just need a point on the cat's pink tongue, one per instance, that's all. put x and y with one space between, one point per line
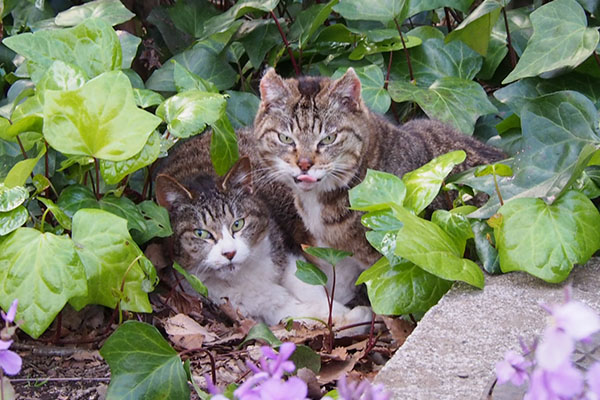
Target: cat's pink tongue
306 178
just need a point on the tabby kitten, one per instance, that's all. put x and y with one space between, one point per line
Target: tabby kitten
224 234
317 136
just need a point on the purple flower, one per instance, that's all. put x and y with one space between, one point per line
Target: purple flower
361 391
565 382
275 364
276 389
9 360
593 380
555 349
12 311
513 368
575 319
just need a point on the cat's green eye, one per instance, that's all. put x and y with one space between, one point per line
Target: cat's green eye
238 225
285 139
203 234
328 139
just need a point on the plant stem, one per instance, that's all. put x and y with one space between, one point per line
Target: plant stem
448 22
287 45
597 58
410 70
511 49
330 321
97 167
46 173
43 220
498 190
23 151
389 68
213 363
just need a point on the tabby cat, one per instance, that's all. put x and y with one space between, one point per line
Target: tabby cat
225 234
317 136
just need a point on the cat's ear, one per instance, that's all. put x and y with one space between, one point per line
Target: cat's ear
239 175
168 191
346 90
273 90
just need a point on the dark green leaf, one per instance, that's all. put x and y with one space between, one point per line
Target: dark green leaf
262 39
191 15
241 108
308 21
403 288
374 10
156 221
305 357
158 371
487 254
372 90
193 280
456 101
546 240
332 256
561 39
223 146
475 30
309 273
185 80
377 191
223 21
418 6
43 271
262 332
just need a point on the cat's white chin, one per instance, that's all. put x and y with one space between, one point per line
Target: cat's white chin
306 186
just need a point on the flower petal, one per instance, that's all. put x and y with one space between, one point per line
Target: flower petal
10 362
566 381
554 350
5 344
576 319
593 379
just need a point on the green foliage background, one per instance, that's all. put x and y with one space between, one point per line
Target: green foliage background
96 92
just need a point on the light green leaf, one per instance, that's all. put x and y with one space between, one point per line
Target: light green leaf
158 371
189 112
309 273
193 280
475 30
12 197
114 171
497 169
112 12
374 10
456 101
92 45
112 260
223 21
20 172
43 271
99 120
561 40
145 98
457 226
261 331
377 191
223 146
546 240
332 256
129 46
156 221
13 219
435 59
428 246
63 219
60 76
186 80
424 183
402 288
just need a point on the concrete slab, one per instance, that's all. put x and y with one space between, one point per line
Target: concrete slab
452 352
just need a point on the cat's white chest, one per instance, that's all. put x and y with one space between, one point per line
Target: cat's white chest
312 214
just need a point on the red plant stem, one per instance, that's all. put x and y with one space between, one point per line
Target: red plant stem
389 68
597 58
213 364
343 328
410 70
448 22
23 151
97 167
287 45
511 49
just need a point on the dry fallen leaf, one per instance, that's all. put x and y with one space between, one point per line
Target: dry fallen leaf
187 333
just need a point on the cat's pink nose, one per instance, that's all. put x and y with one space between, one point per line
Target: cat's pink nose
229 255
305 163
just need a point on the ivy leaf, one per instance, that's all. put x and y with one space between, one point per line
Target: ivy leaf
419 6
60 76
364 47
156 221
129 46
112 12
258 42
43 271
374 10
193 280
223 146
456 225
20 172
223 21
186 80
12 197
189 112
63 219
158 372
402 288
145 98
305 357
308 21
241 108
309 273
428 246
114 171
435 59
13 219
487 254
112 260
497 169
372 90
261 331
561 39
332 256
475 30
456 101
100 119
546 240
377 191
424 183
92 45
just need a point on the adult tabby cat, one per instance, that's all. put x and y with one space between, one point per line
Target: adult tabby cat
224 233
317 136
